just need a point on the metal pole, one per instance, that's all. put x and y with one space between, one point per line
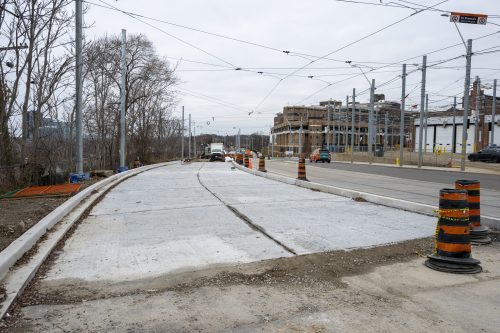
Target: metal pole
359 129
422 110
328 125
300 139
386 130
272 145
466 104
346 133
289 137
239 139
183 130
353 116
453 132
476 118
79 87
189 138
402 120
194 138
493 111
426 115
123 68
370 121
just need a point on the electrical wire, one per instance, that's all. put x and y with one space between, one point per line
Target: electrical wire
342 48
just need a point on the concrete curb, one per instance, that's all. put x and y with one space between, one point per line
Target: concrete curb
10 255
491 222
64 217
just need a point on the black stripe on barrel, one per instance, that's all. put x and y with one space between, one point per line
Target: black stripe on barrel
302 169
453 238
262 164
473 188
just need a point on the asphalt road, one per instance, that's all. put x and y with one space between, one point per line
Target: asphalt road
446 177
409 184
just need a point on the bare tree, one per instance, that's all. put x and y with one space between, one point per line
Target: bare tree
38 72
149 99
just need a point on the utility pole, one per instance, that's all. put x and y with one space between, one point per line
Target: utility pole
476 117
79 87
290 138
300 138
353 116
402 120
334 131
386 130
346 135
370 122
359 129
239 139
493 111
466 104
183 129
189 138
328 125
194 139
426 116
453 130
123 68
272 144
422 110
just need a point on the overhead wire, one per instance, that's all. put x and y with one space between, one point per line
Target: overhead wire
275 49
342 48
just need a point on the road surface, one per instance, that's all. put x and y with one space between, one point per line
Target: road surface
410 184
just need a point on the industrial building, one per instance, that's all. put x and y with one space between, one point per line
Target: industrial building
329 125
444 131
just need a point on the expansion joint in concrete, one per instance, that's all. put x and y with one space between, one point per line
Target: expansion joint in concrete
243 217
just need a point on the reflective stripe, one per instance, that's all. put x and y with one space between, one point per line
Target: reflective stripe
452 247
453 196
455 230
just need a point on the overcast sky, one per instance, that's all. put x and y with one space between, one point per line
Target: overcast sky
220 98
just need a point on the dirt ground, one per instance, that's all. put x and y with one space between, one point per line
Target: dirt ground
320 271
17 216
381 289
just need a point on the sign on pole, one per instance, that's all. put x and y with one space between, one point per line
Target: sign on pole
468 18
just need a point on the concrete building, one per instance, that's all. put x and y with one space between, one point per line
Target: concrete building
329 125
442 134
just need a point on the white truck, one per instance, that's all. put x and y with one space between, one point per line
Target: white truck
216 152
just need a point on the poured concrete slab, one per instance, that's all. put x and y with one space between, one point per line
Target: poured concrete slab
153 225
165 221
309 221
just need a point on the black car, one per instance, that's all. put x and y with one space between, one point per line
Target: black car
490 153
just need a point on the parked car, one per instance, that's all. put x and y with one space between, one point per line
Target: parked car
488 154
322 155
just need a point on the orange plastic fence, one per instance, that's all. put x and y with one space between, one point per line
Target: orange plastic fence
52 190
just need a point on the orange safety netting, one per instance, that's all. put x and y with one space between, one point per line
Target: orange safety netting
46 191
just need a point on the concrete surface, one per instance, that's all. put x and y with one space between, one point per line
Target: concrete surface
159 222
400 297
184 248
14 278
164 221
309 221
425 192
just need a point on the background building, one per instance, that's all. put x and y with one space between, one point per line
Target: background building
442 134
329 125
